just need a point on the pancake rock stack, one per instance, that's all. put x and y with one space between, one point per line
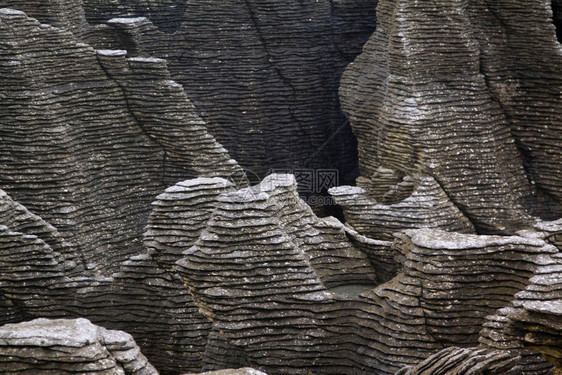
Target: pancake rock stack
534 317
43 346
423 98
78 137
89 139
119 205
256 287
466 361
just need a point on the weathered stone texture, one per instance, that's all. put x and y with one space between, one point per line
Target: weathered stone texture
78 138
257 289
267 84
453 361
424 205
424 97
45 346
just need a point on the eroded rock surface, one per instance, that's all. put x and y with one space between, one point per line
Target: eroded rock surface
458 91
80 139
267 83
456 107
447 284
44 346
454 361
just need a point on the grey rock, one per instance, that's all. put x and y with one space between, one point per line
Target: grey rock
240 371
441 89
267 83
466 361
44 346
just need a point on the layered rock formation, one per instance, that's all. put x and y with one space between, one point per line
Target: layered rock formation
421 204
466 361
256 288
167 15
426 97
44 346
267 84
89 138
458 119
83 141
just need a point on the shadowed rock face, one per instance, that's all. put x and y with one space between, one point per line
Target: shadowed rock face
73 346
267 83
458 91
166 14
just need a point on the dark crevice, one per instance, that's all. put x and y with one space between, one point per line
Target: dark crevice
557 18
284 79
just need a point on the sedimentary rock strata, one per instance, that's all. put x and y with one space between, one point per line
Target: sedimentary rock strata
422 97
166 14
448 284
267 84
118 204
268 214
45 346
520 60
88 141
424 205
534 319
79 138
466 361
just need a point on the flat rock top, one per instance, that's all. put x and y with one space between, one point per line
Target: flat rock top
240 371
47 332
438 239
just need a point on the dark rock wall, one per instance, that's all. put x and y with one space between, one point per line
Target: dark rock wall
166 14
557 18
267 83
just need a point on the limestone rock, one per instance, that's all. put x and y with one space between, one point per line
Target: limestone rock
536 317
492 336
89 139
265 298
240 371
423 98
267 84
468 361
270 214
425 206
141 298
179 215
79 138
44 346
166 14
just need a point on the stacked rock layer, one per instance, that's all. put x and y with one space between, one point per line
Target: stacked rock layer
44 346
426 96
458 119
267 83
